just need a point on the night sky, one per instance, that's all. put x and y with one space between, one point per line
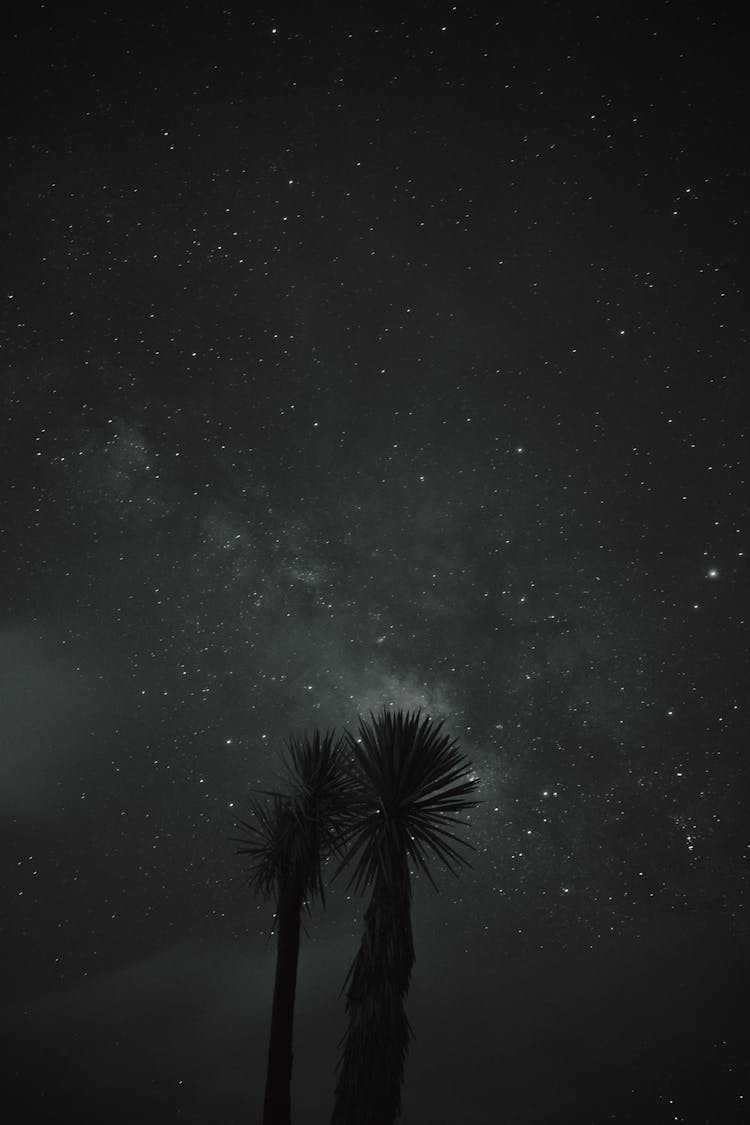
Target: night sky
355 358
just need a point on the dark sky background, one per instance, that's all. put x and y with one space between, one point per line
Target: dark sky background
353 359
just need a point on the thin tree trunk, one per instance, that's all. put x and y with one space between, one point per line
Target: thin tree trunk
277 1103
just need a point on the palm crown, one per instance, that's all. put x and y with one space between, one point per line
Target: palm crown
290 834
413 781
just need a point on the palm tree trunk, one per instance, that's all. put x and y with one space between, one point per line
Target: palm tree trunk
277 1103
376 1041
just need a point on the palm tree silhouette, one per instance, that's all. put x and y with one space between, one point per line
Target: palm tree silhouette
414 781
287 839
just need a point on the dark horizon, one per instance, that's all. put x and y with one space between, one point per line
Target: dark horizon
354 360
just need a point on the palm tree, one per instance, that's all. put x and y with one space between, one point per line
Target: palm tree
288 838
414 781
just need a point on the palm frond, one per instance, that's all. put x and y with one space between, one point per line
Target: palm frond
291 833
415 779
267 840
